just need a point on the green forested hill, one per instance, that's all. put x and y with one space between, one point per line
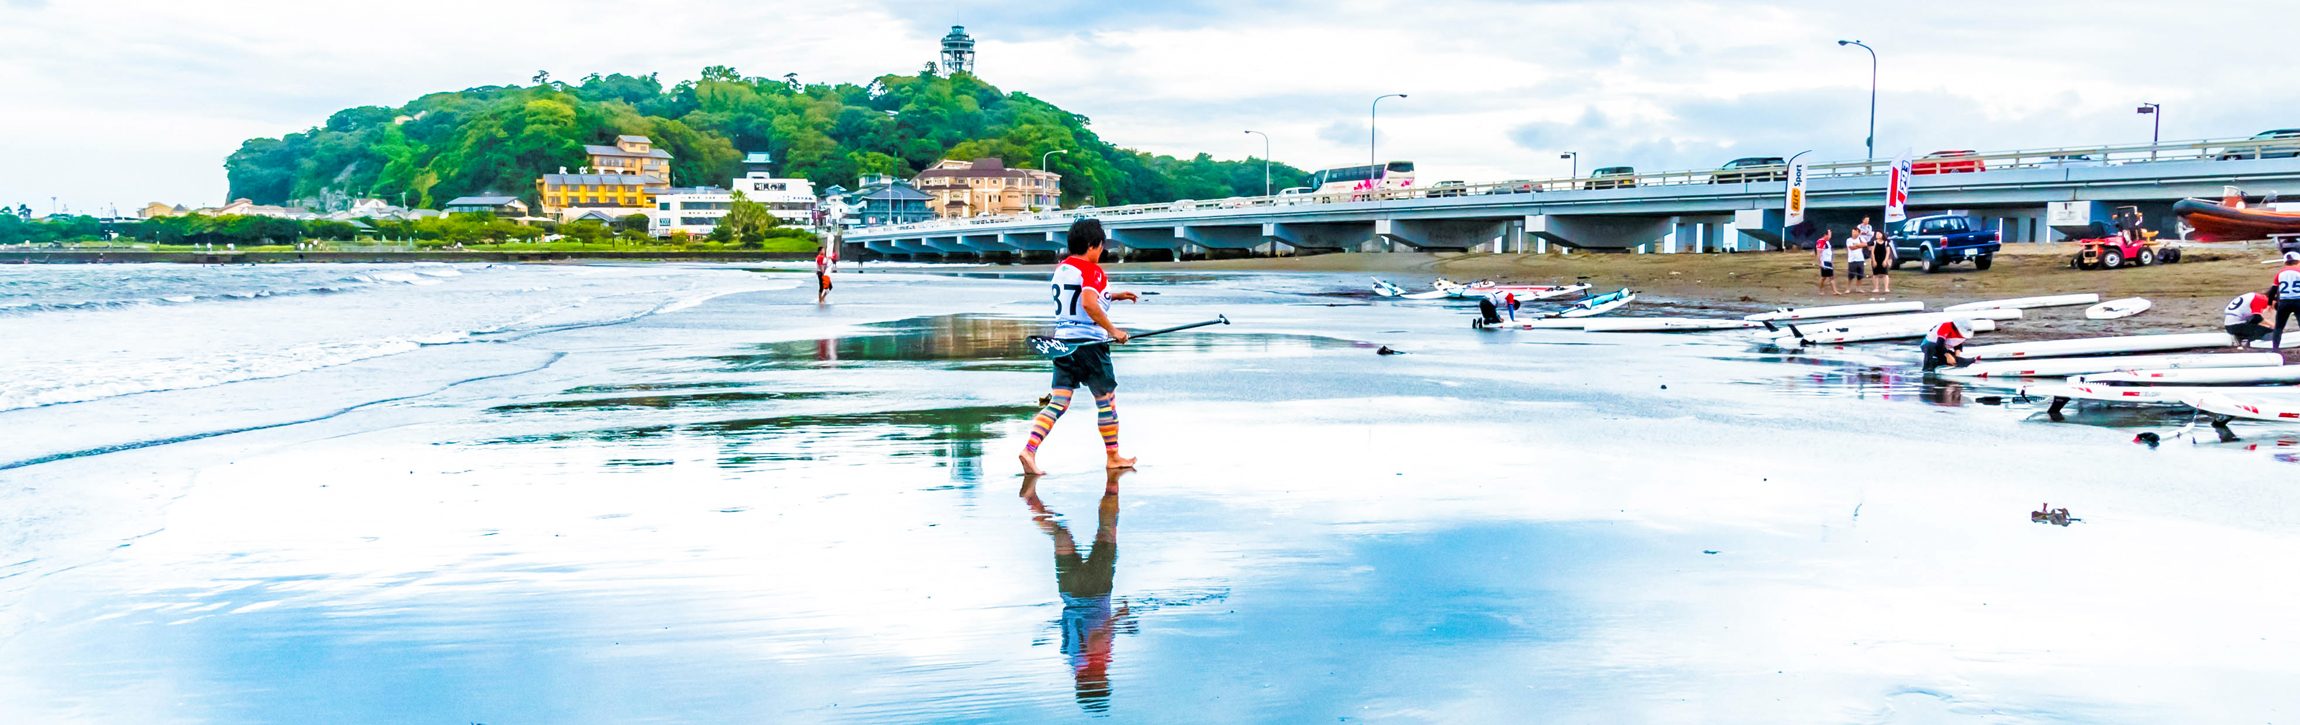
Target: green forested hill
498 138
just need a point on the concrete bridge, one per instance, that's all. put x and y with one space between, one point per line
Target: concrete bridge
2024 194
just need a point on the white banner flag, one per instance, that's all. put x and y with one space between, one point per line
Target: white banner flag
1795 211
1897 189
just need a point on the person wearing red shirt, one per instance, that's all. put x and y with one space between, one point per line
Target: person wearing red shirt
2246 317
1081 292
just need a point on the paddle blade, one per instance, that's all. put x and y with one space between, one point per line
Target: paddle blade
1048 347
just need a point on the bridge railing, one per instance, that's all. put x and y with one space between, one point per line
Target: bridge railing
1952 163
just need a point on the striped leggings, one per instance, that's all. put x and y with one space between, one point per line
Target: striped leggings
1105 417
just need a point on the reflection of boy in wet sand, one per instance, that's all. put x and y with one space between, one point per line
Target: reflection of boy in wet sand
1089 623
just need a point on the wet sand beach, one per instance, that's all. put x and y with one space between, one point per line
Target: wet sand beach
688 493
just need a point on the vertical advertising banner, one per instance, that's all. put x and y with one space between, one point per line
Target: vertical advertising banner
1897 190
1795 212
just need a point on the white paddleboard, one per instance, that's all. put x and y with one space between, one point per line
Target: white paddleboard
2025 302
1664 324
1547 323
2101 345
2113 393
1925 320
1386 289
2205 376
2064 366
1815 313
2114 309
1871 333
1556 293
1600 308
2247 407
2290 342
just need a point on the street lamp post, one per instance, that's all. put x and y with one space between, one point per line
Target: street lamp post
1576 156
1265 161
1872 94
1373 158
2155 113
1042 159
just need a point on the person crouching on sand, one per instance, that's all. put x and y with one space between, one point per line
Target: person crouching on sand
1945 344
2246 317
1080 296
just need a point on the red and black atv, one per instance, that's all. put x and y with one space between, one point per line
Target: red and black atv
2123 244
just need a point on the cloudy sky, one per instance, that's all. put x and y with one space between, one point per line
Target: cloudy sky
129 101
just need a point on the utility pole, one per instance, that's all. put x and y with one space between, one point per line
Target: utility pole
2155 113
1373 158
1265 162
1872 94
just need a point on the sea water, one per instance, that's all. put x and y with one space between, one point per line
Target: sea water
688 493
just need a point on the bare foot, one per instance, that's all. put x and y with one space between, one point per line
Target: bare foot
1030 464
1115 463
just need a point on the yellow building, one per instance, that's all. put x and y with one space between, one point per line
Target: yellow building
631 156
985 187
565 196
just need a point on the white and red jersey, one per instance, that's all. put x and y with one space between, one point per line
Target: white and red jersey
1951 333
2288 283
2241 309
1075 278
1821 249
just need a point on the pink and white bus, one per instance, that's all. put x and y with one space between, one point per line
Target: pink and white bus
1392 175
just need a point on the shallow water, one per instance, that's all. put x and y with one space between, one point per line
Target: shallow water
714 501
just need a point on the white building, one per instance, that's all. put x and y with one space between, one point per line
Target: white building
694 210
697 210
791 200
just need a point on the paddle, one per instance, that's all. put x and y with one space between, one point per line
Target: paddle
1048 347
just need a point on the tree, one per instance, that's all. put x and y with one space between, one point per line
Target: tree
747 221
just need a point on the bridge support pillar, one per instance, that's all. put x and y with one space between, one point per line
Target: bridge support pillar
1140 243
1593 231
1231 239
1762 225
1330 236
1445 234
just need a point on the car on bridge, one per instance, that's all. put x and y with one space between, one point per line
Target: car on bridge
1447 188
1939 240
2267 150
1949 162
1751 170
1612 177
1513 186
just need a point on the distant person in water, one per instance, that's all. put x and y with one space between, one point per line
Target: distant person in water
1090 622
1944 346
2246 317
822 275
1080 298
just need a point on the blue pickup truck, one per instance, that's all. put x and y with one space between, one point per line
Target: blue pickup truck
1942 239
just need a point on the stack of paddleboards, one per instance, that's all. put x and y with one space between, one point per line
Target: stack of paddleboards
1832 325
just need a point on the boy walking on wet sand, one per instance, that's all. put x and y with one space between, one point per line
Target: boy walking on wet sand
1080 297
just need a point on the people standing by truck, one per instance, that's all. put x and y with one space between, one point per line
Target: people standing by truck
1856 258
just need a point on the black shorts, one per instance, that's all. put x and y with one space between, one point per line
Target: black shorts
1828 271
1883 268
1087 365
2248 331
1853 270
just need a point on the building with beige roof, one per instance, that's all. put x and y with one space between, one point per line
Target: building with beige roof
985 187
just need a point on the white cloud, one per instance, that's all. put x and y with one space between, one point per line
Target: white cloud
134 100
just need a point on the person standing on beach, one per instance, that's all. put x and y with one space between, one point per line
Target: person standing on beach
1080 297
2287 292
822 275
1882 256
1828 263
1856 259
